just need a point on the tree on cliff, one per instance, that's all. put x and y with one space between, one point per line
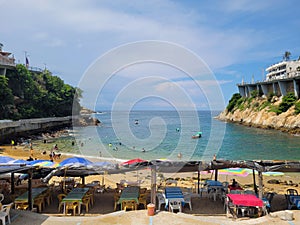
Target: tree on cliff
6 98
39 95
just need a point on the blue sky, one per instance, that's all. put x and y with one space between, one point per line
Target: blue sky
235 39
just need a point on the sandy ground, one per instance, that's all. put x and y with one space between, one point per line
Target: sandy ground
205 211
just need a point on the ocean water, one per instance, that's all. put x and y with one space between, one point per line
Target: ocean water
165 134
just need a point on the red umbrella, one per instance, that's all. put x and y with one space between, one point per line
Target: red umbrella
133 161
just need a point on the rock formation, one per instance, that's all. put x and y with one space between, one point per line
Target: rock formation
255 115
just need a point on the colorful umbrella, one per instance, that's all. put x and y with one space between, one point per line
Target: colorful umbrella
133 161
75 160
18 161
5 159
234 172
272 173
42 163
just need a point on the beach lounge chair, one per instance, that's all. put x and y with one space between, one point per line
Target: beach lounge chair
5 213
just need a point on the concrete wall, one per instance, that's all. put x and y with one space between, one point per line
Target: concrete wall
12 130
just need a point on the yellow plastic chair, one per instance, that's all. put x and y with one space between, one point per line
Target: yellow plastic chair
72 206
60 203
86 203
21 206
143 200
39 202
116 201
129 204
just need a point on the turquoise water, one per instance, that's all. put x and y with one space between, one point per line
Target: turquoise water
164 134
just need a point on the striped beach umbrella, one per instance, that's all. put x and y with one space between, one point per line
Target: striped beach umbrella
241 172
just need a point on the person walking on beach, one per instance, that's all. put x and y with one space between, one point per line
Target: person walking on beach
31 149
12 143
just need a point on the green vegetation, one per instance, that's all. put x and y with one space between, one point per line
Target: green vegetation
233 102
24 95
297 107
238 102
287 101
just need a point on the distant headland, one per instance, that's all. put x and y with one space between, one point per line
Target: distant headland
270 104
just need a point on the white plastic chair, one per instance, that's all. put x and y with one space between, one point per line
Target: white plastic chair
1 197
188 200
175 205
5 213
161 200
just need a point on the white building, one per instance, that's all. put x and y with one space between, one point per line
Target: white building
283 70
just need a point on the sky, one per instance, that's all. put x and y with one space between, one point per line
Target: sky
152 54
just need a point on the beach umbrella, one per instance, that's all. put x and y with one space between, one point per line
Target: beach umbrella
5 159
272 173
241 172
75 160
133 161
18 161
42 163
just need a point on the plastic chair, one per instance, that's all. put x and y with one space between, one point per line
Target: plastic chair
21 206
116 201
5 213
143 200
39 202
175 205
72 206
129 204
60 203
291 192
161 200
188 200
86 203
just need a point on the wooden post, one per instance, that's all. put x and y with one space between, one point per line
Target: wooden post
216 175
198 182
153 184
30 203
12 181
254 182
260 184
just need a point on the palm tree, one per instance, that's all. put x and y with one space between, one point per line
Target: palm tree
286 56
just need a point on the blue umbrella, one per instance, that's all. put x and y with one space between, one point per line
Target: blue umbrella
19 161
75 160
5 159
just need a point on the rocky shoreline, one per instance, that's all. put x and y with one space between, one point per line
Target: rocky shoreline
287 121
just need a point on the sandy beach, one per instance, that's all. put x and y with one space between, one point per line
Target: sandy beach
204 210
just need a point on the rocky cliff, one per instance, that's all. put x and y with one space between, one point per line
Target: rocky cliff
259 114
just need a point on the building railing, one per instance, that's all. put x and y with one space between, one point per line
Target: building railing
285 76
7 62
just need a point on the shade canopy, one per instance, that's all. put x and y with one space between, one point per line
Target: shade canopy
75 160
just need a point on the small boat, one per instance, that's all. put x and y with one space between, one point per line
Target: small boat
198 135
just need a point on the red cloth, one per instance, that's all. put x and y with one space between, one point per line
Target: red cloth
245 200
